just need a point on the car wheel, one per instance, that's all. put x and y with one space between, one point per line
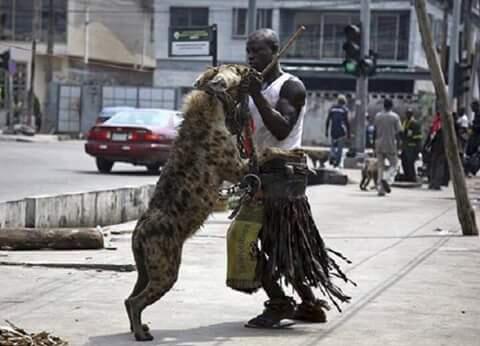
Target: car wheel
104 166
153 168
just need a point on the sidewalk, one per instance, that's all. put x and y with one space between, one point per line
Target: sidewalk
417 277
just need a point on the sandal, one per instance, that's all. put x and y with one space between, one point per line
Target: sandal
275 315
313 312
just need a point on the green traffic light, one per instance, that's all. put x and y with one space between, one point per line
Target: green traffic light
350 67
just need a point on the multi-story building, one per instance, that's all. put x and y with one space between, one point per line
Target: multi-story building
95 41
317 55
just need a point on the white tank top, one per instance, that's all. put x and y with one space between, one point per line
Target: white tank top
262 136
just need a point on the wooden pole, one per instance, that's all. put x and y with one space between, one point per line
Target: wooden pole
465 212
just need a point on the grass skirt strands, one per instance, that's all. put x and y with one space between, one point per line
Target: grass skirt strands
291 246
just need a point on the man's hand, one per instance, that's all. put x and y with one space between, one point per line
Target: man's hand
251 85
255 83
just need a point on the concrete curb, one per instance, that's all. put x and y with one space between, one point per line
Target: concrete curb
39 138
87 209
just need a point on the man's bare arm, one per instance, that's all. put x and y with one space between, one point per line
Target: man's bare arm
281 119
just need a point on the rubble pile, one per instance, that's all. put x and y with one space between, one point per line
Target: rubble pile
14 336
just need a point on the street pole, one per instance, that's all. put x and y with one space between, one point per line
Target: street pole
465 212
467 49
50 60
457 5
87 34
362 82
252 16
36 32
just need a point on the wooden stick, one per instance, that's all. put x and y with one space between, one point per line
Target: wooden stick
282 51
465 212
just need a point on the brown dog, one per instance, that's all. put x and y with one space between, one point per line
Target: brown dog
369 173
204 155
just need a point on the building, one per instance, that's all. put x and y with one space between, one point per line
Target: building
95 41
316 57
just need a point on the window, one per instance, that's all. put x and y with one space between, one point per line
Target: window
333 33
188 16
16 20
240 20
389 35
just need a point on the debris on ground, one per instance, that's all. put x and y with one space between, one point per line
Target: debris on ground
11 335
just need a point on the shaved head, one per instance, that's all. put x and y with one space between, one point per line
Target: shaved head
268 36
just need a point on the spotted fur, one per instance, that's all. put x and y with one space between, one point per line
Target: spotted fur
204 155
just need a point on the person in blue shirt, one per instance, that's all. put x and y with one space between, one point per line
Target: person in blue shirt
339 129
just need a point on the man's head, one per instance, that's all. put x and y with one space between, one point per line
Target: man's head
341 100
475 106
262 45
409 113
388 104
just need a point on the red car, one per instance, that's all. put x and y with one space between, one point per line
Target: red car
137 136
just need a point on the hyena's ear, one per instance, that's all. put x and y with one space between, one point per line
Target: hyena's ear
205 77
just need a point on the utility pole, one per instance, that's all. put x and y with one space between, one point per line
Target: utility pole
252 16
87 33
50 60
465 212
444 44
467 48
36 32
457 6
361 102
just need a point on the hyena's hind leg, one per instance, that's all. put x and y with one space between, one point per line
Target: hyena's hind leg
163 273
142 278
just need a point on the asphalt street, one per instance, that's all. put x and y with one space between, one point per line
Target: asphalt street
29 169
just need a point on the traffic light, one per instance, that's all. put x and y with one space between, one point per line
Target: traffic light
351 47
463 72
368 65
5 60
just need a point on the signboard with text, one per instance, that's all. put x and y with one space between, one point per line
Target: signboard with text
191 41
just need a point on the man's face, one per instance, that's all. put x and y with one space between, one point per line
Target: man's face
475 107
259 54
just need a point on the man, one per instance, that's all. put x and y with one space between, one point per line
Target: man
411 142
472 155
339 130
387 129
277 106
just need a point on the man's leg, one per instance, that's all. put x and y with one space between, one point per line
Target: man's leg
333 152
392 170
410 158
311 309
278 307
380 170
340 146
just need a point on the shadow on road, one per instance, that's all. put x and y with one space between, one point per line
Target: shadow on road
217 333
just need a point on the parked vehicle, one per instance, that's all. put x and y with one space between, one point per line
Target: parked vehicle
108 112
138 136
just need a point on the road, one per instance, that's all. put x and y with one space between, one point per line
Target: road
28 169
417 282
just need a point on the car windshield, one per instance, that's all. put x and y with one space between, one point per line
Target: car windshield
145 117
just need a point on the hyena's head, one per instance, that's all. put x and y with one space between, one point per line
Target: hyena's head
224 79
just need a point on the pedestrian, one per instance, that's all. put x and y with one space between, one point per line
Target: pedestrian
339 128
411 142
474 140
387 132
437 168
277 106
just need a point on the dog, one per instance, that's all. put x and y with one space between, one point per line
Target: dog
369 173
